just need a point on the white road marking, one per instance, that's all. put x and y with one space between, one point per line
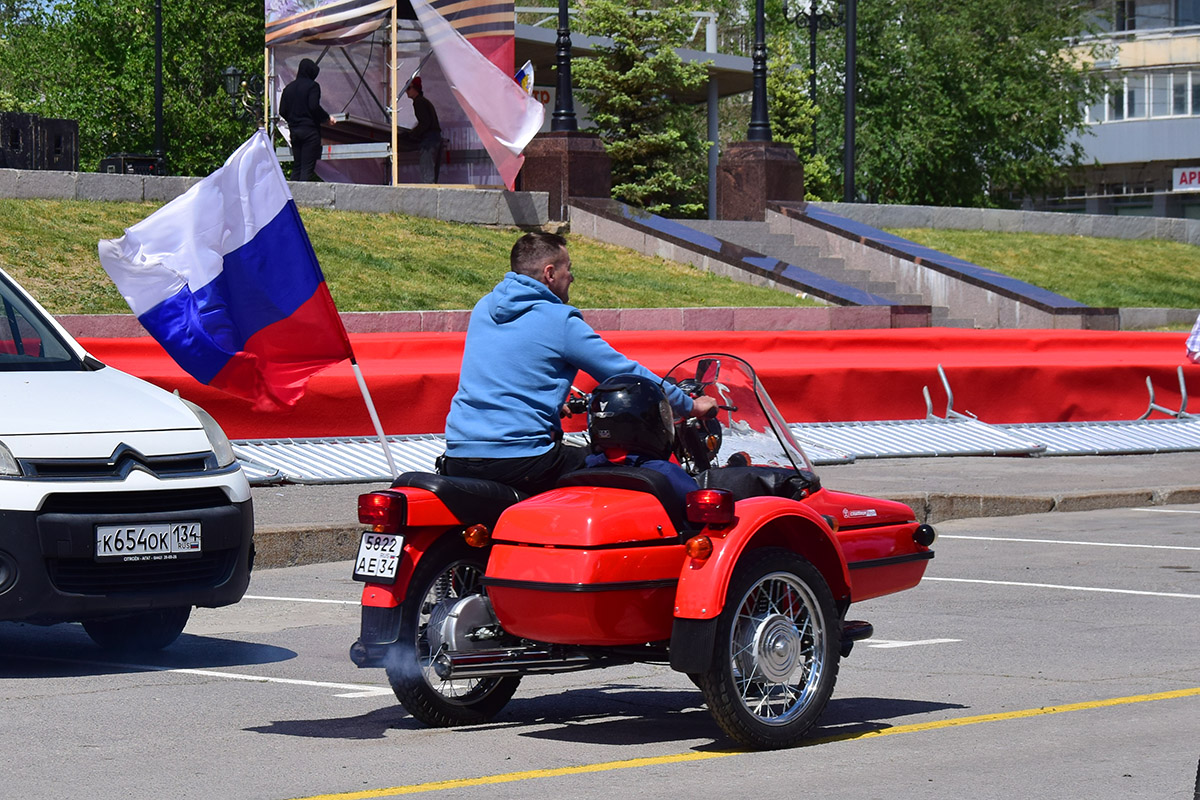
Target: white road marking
355 689
1168 510
300 599
1062 541
1069 588
881 643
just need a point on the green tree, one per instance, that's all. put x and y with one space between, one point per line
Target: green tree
656 141
793 113
964 103
65 60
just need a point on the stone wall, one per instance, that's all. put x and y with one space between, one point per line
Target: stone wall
449 203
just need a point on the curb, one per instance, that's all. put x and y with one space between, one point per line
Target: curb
294 546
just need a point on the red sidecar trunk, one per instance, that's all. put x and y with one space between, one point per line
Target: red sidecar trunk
557 575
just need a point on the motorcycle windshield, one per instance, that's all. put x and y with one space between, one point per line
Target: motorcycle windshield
750 423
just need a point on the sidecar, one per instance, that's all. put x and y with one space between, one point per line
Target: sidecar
745 587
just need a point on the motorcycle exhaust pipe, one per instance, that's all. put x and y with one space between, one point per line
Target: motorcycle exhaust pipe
510 661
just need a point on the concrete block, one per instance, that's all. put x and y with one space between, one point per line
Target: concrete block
651 319
116 188
1170 229
764 319
46 185
415 201
475 206
956 218
288 547
1092 501
1184 495
8 182
582 222
165 189
1056 224
1113 227
445 321
620 235
108 326
966 506
524 209
382 321
603 319
357 197
709 319
313 194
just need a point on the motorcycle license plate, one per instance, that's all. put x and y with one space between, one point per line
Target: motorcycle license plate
378 557
155 541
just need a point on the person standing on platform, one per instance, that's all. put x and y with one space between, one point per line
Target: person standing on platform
425 136
300 106
1193 343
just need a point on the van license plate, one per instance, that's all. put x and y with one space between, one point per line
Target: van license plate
378 557
154 541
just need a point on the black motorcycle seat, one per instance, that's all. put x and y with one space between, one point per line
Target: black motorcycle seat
471 500
758 481
636 479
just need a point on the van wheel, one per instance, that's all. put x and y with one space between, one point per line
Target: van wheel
776 661
144 631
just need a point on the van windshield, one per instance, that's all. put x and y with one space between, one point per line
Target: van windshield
27 341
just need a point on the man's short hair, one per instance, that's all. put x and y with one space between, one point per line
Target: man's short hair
535 250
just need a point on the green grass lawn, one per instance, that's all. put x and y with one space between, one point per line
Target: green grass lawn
387 262
1120 273
372 262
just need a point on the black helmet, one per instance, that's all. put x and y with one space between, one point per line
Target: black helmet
631 413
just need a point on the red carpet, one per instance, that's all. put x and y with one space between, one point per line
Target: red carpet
1001 376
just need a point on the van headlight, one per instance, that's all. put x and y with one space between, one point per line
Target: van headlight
9 467
216 437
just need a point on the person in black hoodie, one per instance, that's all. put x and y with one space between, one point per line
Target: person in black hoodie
300 106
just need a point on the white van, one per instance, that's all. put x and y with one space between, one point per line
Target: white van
122 506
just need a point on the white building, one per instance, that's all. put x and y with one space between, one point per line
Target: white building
1145 141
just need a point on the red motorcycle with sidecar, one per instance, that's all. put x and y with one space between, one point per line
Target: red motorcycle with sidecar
470 585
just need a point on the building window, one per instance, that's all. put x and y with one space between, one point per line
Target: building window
1180 94
1187 12
1116 101
1160 94
1135 95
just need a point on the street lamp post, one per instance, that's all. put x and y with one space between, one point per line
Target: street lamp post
760 126
848 192
160 149
563 118
817 15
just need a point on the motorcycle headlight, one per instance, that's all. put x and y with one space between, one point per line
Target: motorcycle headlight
216 437
8 465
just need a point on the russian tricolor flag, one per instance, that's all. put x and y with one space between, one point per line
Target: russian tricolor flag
225 279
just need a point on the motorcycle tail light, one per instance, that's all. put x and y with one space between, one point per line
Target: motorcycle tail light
383 511
710 507
698 547
477 536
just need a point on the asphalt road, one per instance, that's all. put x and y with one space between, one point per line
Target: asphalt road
1045 656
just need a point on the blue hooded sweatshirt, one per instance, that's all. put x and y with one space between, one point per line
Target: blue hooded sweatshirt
524 348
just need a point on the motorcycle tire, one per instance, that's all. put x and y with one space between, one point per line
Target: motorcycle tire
777 651
449 571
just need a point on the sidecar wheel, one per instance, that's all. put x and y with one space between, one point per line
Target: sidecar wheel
777 655
449 571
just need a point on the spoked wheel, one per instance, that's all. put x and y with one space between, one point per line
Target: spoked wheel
777 651
450 571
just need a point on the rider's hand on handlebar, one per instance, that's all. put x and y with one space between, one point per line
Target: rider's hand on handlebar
703 407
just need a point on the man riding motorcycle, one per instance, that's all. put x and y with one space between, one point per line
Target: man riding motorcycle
525 345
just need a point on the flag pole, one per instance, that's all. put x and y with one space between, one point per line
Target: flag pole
362 385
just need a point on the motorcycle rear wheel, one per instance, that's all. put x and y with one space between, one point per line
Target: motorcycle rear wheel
777 651
450 571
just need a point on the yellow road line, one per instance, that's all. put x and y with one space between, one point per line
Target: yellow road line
680 758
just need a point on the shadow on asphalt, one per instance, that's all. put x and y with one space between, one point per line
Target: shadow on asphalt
65 650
